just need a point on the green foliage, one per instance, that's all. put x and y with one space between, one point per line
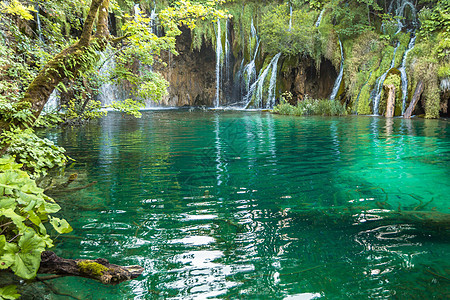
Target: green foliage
436 18
392 79
351 17
79 112
444 71
48 120
128 106
187 13
428 62
309 107
9 292
24 208
303 38
37 155
16 8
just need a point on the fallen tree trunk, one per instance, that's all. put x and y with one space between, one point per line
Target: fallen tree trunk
414 100
99 269
390 107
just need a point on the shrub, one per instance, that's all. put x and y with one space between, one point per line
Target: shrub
309 107
24 209
37 155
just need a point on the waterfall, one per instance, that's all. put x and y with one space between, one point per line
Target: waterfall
273 82
290 18
137 10
399 12
337 83
52 104
152 24
258 85
376 93
404 77
445 84
38 23
108 92
218 64
319 19
247 74
227 50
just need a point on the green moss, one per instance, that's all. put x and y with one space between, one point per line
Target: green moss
364 101
92 268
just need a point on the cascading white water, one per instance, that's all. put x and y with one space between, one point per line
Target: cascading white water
38 23
247 74
397 8
152 24
319 19
218 64
52 104
109 90
404 77
376 93
445 84
337 83
256 91
137 10
227 51
273 82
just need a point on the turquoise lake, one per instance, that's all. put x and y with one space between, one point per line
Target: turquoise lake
250 205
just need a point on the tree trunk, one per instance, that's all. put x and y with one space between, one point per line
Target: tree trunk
390 107
70 61
99 269
414 100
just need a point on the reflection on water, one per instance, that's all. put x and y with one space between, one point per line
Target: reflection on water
252 205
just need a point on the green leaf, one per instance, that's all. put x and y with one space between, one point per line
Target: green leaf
61 226
50 207
17 220
9 255
7 203
9 292
28 259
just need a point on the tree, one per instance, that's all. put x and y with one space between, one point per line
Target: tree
95 37
24 206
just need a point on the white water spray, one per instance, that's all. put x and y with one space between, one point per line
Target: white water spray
256 91
337 83
404 77
218 64
376 93
319 19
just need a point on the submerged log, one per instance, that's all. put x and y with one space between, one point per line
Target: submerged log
390 107
414 100
99 269
369 216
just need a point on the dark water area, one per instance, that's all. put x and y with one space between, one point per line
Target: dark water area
231 205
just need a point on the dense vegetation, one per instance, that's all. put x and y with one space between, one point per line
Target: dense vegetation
62 45
370 31
51 45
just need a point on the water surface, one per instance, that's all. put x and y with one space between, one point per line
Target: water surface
257 206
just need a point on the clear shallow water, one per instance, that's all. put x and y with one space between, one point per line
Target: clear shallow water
257 206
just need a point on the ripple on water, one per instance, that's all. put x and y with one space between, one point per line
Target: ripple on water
252 205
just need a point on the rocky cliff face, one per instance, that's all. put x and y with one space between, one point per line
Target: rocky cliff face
301 77
191 74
